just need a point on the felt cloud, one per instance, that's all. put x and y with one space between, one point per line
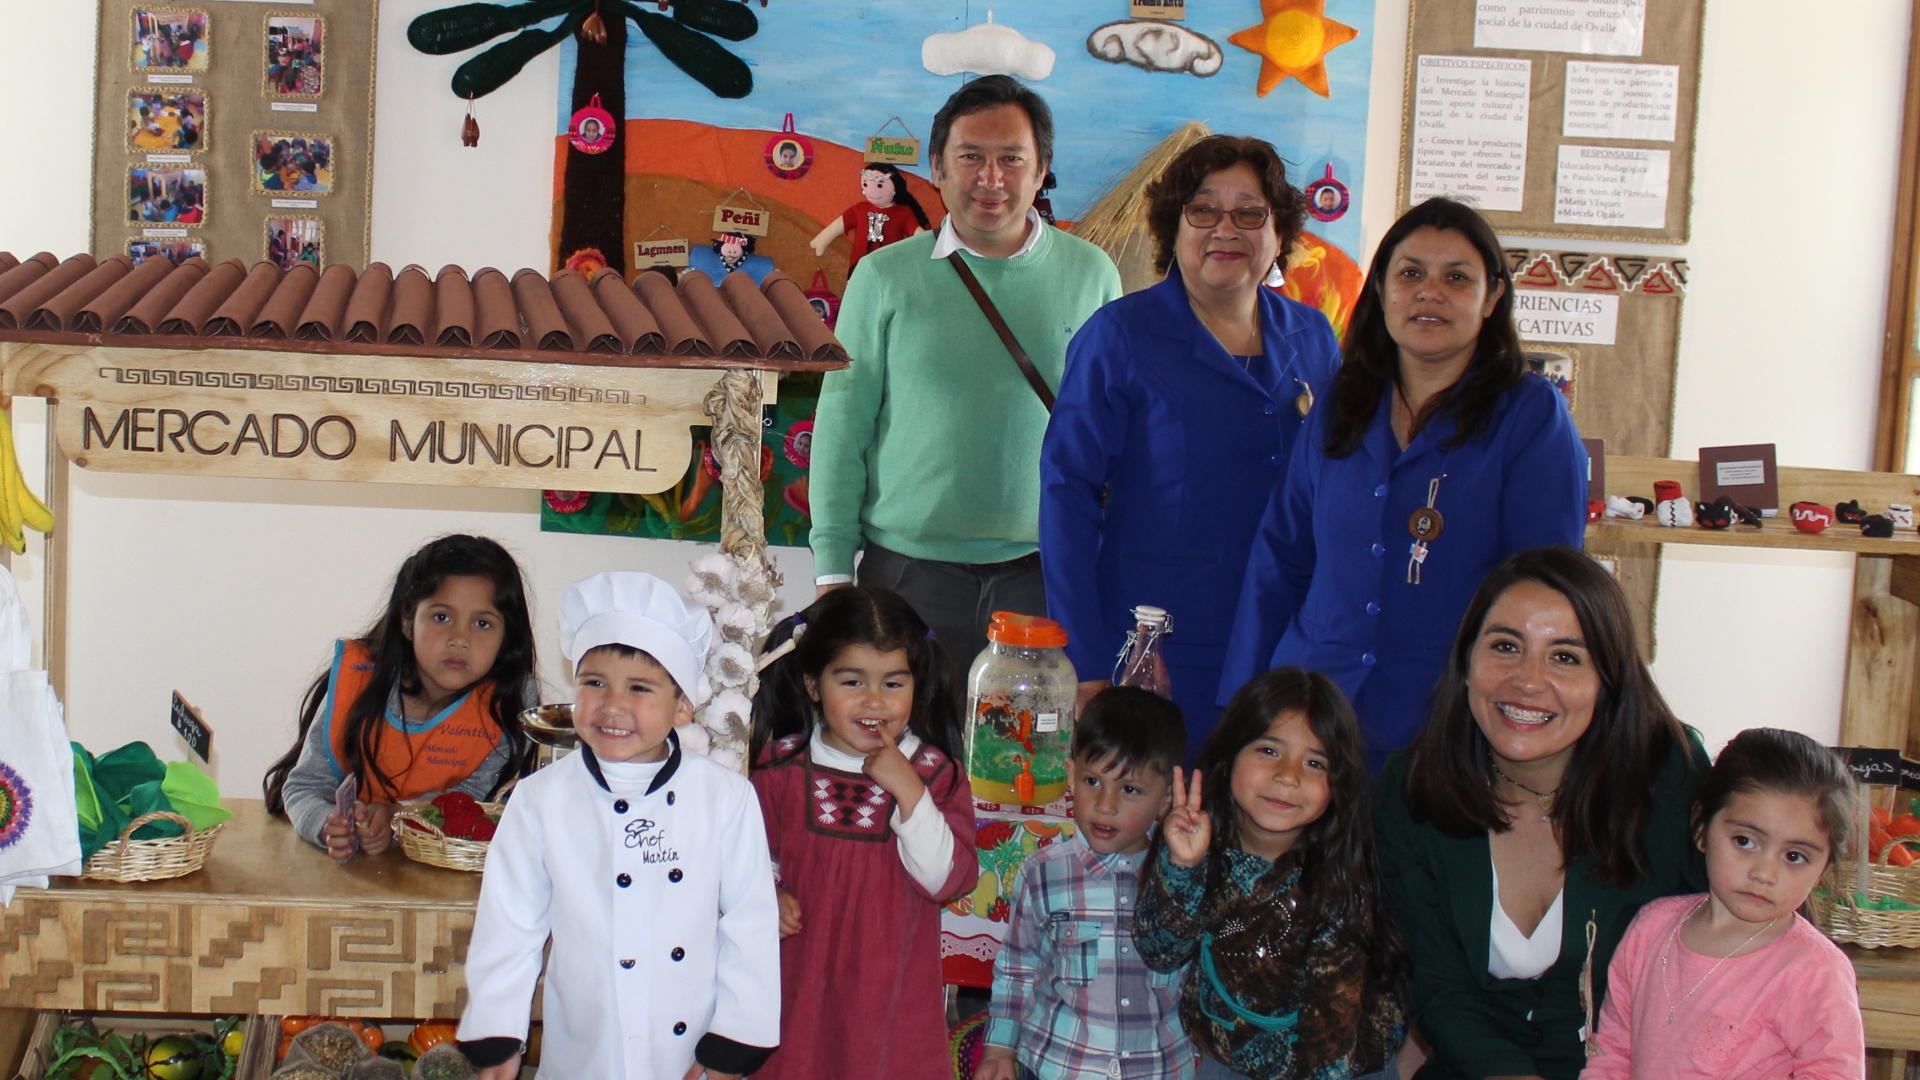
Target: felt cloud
1156 46
987 49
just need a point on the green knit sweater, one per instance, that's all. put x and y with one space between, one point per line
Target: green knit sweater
929 444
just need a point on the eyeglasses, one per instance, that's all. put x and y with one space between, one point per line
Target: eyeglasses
1202 216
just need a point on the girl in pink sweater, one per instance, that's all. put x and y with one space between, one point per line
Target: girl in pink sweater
1736 982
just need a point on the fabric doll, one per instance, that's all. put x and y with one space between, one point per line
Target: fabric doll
889 213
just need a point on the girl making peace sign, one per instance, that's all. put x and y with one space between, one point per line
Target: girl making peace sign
1264 874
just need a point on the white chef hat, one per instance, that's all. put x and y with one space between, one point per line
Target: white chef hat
638 610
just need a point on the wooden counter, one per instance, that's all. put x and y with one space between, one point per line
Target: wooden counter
270 925
1889 981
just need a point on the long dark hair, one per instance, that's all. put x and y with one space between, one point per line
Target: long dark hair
394 665
855 615
1770 759
900 193
1605 795
1370 360
1339 872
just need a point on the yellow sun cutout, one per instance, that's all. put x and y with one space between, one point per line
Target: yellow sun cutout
1293 38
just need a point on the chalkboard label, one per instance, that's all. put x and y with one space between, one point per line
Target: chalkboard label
192 727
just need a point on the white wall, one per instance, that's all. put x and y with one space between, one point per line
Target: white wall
231 590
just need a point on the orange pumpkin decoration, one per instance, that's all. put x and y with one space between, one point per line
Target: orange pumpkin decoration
431 1033
294 1025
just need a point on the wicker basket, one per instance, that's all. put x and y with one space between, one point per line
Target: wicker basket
423 841
1843 920
153 860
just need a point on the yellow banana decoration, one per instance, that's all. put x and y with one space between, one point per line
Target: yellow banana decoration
19 508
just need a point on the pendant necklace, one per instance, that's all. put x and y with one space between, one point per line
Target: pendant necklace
1426 522
1666 955
1545 798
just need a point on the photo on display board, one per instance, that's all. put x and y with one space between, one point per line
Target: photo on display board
167 121
292 161
140 250
170 39
294 56
1556 367
167 196
291 241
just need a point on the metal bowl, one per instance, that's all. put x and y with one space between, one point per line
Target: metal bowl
550 725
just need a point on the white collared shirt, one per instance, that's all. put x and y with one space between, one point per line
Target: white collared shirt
949 240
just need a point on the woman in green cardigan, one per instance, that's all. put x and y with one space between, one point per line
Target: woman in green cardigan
1545 801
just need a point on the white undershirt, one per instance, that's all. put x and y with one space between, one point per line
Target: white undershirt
926 843
630 777
1513 955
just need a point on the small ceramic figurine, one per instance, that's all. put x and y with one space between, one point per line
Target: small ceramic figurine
889 213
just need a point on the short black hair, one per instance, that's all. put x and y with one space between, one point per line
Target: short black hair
992 91
1133 728
627 652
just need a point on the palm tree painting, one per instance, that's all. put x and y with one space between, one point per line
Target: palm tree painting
684 32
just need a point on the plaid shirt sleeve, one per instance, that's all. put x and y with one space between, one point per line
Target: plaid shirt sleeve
1119 1019
1020 958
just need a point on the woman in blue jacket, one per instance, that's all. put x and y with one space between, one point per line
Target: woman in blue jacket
1435 457
1176 418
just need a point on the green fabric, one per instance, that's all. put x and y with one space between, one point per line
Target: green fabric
85 799
1441 887
929 444
113 789
194 795
120 770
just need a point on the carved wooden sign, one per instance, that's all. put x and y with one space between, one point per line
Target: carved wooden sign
408 420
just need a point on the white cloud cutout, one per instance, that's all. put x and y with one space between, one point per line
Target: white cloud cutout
987 49
1155 46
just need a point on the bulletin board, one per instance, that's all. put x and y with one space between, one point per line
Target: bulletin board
1559 118
235 129
1605 330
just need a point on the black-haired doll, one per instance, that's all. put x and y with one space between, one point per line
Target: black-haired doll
888 213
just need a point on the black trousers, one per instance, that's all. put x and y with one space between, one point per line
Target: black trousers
957 599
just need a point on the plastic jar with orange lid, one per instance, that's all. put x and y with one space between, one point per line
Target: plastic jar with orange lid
1020 695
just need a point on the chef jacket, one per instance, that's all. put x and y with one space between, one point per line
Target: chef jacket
661 910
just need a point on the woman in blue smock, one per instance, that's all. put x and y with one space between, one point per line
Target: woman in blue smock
1175 420
1436 455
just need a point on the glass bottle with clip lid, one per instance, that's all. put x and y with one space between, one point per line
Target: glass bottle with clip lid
1141 662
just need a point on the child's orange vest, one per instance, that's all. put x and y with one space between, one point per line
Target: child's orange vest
426 761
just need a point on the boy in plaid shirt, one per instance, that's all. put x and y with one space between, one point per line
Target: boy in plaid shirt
1071 996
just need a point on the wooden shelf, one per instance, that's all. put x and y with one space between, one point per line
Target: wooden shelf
1613 533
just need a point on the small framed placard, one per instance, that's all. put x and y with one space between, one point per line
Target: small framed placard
192 727
1745 474
900 149
1596 467
1159 9
661 251
750 220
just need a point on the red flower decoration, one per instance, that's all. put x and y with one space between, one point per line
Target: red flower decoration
567 502
587 262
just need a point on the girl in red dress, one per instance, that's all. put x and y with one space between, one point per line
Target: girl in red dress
870 819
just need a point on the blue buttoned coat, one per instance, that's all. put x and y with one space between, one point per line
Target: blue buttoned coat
1327 585
1160 456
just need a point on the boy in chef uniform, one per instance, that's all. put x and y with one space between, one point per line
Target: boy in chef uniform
646 867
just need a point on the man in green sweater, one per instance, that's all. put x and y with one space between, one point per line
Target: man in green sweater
926 450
